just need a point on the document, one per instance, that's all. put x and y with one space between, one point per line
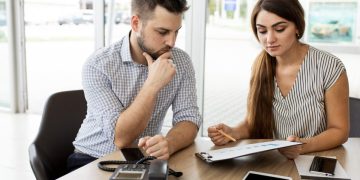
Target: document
243 150
303 163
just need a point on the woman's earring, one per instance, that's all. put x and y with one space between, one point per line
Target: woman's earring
297 35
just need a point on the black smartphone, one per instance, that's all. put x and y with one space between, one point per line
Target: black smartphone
132 154
323 165
254 175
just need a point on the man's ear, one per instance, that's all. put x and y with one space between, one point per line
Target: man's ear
135 23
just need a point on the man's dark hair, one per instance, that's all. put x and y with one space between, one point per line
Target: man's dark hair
145 8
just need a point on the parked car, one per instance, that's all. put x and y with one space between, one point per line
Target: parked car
81 17
122 17
67 19
84 17
126 18
118 18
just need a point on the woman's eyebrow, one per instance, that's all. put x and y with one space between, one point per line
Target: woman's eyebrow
278 23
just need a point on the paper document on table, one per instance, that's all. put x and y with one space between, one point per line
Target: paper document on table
303 163
243 150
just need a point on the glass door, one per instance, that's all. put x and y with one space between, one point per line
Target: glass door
59 37
230 50
5 66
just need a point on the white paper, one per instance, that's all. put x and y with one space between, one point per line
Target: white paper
242 150
303 163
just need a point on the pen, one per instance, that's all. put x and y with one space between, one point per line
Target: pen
226 135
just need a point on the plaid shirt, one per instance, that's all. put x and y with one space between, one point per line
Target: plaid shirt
111 81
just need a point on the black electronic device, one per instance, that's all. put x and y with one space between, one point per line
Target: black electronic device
137 166
254 175
155 170
132 154
323 165
158 169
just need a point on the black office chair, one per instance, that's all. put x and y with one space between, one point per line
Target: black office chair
354 117
62 117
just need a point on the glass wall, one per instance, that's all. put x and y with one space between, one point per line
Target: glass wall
4 59
59 38
230 51
117 19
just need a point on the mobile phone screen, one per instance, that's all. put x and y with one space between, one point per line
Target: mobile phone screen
132 154
323 165
258 176
253 175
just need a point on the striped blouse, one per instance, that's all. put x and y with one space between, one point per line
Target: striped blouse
302 112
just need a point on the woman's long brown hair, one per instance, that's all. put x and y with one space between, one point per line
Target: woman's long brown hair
260 115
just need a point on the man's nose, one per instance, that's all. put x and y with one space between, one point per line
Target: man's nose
171 39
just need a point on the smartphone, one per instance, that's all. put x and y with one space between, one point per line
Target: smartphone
254 175
132 154
323 165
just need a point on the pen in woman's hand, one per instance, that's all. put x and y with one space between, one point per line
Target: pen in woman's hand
226 135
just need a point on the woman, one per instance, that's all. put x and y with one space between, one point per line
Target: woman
297 92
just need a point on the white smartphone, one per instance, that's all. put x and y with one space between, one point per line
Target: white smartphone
254 175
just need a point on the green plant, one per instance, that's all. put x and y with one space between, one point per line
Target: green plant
230 14
212 7
243 9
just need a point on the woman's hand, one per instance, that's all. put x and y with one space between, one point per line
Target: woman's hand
216 137
293 151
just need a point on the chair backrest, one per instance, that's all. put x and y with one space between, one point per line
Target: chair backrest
62 117
354 117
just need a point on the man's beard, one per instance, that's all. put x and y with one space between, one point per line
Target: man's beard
154 54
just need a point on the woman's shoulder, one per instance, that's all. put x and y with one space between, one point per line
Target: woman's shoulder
328 65
322 56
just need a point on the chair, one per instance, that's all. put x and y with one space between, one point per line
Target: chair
62 117
354 117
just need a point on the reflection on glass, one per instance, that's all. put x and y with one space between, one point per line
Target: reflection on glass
230 51
59 38
4 59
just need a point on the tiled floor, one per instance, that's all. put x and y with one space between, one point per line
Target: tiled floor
16 133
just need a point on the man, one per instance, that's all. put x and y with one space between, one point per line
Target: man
130 85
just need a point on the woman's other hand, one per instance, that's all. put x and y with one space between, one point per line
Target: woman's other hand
293 151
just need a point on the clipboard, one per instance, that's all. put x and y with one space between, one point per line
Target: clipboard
243 150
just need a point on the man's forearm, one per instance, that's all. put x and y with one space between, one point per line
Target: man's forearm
135 118
181 136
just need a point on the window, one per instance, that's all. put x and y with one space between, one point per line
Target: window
59 38
230 51
5 66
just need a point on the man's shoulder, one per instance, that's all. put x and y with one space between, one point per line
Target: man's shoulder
105 55
179 51
180 55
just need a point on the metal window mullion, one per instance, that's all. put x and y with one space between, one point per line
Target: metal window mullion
99 11
110 21
16 34
195 45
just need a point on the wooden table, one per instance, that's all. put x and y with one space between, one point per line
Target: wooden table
195 169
